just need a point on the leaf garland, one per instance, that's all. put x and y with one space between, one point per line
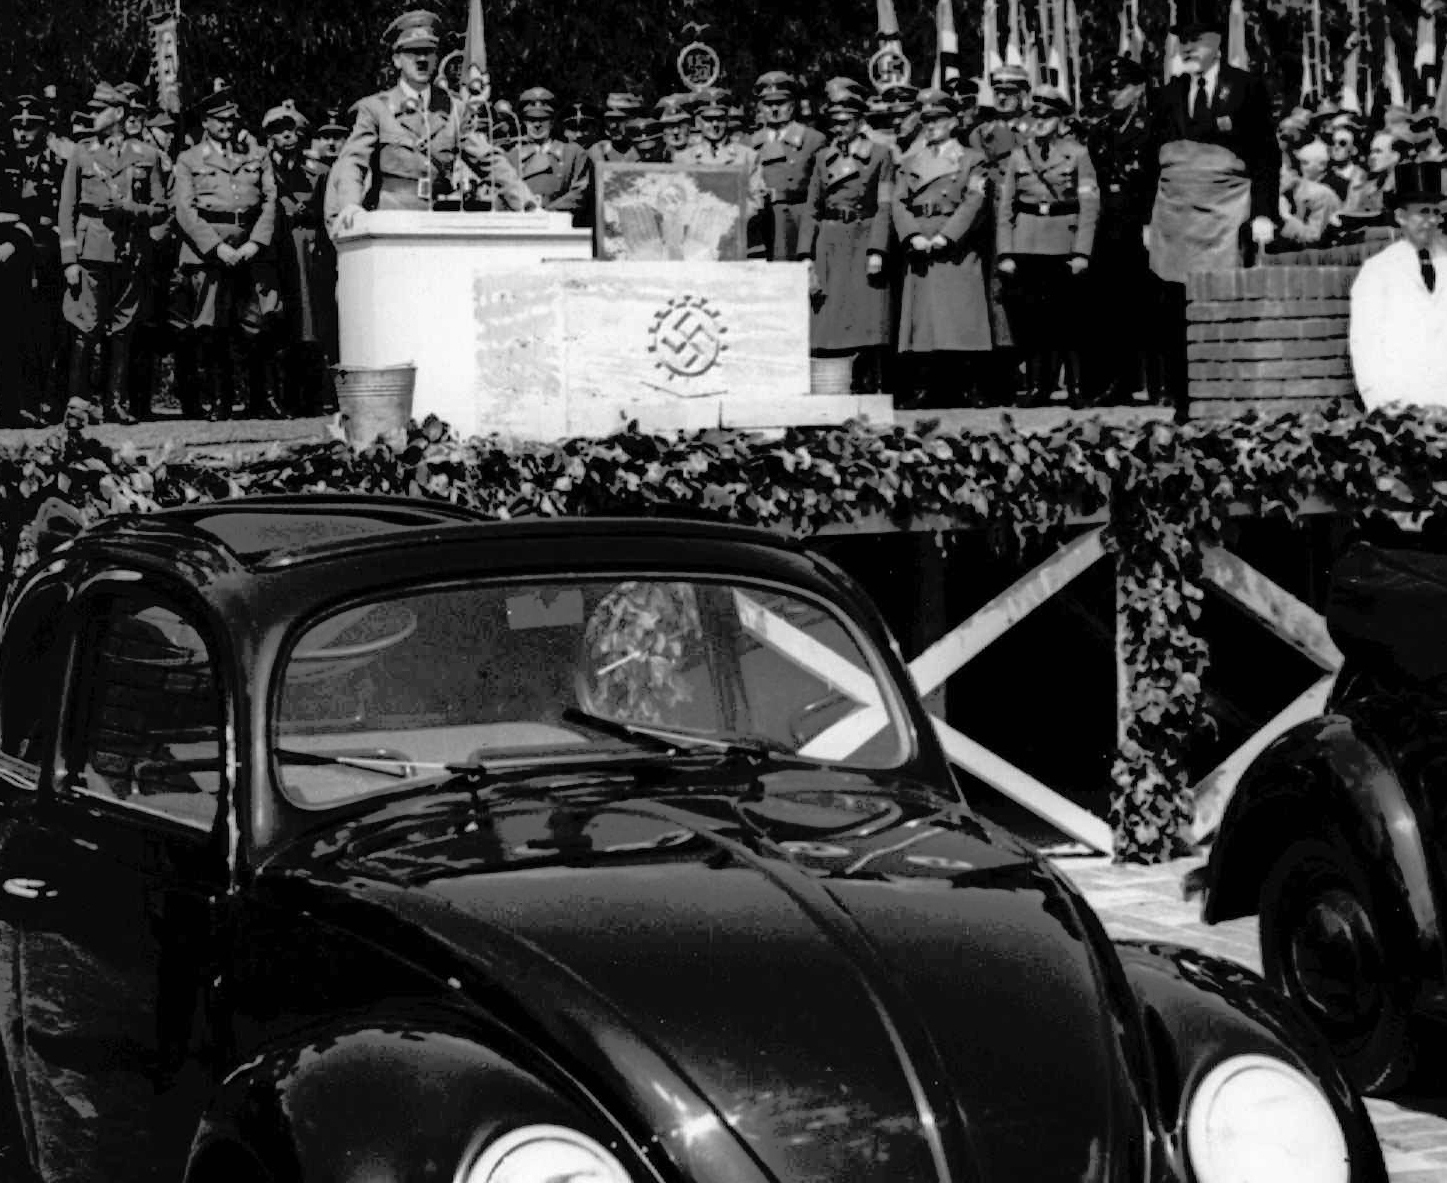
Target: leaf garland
1169 490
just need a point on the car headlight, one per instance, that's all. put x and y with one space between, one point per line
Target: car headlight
545 1154
1256 1119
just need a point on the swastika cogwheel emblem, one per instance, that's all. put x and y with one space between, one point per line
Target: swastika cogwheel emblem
686 336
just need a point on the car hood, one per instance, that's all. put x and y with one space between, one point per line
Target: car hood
853 983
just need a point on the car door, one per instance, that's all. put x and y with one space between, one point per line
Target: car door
122 860
33 654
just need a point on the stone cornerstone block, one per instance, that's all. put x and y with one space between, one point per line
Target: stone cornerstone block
582 348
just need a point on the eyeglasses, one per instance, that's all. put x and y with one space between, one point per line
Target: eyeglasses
1343 143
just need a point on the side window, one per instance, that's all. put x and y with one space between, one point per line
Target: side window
31 667
148 723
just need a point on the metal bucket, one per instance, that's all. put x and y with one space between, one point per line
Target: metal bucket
831 374
374 401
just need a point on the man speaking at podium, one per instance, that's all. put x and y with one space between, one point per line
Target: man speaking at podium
410 147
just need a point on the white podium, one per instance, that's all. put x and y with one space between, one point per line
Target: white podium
405 293
515 329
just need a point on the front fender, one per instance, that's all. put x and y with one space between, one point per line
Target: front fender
1328 778
380 1102
1199 1010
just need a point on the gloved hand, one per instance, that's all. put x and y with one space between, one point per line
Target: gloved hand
72 276
1006 267
1078 264
874 263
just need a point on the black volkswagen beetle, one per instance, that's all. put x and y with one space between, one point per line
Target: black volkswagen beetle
1335 832
358 839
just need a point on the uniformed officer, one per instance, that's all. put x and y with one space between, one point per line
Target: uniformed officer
714 147
1123 356
786 151
411 146
845 232
225 204
997 135
37 172
555 170
111 194
676 121
1045 230
329 137
942 220
616 146
580 126
294 370
647 136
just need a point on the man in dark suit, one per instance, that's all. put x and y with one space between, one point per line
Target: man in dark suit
1219 171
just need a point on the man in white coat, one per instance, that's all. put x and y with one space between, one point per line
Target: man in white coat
1399 300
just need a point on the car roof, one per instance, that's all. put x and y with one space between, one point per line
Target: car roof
256 534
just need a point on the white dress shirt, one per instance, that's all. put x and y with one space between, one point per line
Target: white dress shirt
1399 329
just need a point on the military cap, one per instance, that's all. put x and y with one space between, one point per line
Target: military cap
844 95
413 30
672 108
538 102
284 112
30 110
775 85
1009 77
1050 99
219 104
162 120
1120 72
880 113
580 116
106 95
621 104
934 103
1419 181
644 127
713 101
333 125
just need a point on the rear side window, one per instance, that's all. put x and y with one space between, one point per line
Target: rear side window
32 666
149 722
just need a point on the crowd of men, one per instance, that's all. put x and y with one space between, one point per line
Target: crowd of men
959 254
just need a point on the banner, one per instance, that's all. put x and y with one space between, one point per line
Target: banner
474 51
888 22
947 55
166 64
1171 62
1236 37
1392 72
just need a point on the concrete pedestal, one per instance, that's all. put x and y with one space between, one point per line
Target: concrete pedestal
405 293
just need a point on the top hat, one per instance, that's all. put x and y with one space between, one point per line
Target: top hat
1196 18
844 96
284 112
1419 181
775 85
538 102
413 30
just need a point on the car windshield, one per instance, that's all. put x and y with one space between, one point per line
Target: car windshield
394 691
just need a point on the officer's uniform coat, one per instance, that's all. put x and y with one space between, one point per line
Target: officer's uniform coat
1049 203
111 194
786 158
847 216
296 244
997 139
31 184
219 195
556 172
404 154
603 152
943 189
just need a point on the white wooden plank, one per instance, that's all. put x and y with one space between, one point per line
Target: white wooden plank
1295 622
960 644
846 736
794 644
1214 790
1021 787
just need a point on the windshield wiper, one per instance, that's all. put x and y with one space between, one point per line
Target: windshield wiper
383 765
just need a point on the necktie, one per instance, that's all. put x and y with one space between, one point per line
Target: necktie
1429 270
1198 104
